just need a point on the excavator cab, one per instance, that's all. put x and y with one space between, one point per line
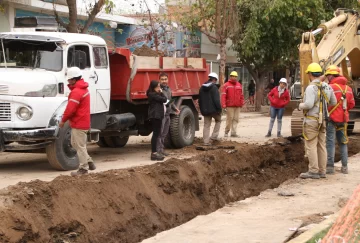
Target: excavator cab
339 45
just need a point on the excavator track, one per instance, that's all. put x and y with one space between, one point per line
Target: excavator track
297 118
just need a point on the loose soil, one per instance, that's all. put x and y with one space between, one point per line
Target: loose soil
147 52
133 204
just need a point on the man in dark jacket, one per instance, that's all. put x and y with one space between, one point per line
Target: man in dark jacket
170 109
210 107
78 113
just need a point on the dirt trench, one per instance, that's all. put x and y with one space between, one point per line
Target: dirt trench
133 204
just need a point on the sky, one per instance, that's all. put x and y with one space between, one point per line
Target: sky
138 5
130 6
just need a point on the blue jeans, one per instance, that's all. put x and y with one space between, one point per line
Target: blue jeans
338 130
276 112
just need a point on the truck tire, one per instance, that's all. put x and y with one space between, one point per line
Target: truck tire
116 141
101 143
182 128
60 153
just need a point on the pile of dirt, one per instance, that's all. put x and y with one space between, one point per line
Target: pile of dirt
129 205
132 204
146 51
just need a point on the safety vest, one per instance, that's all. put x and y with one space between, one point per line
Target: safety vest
343 102
321 95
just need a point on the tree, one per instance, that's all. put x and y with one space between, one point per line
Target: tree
270 34
93 8
217 19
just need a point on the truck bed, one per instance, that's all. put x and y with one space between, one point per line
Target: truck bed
131 75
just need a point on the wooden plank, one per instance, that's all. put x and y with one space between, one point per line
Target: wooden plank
145 62
195 63
171 62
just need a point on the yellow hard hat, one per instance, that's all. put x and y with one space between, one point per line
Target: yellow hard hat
332 69
234 74
314 68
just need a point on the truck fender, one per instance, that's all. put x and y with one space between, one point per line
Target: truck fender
56 117
189 101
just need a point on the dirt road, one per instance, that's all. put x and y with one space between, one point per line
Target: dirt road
26 167
129 205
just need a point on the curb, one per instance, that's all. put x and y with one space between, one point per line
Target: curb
308 235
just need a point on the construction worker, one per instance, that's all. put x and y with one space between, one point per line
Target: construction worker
78 113
232 99
317 97
279 97
210 107
338 118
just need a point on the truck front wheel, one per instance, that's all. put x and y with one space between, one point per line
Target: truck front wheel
182 128
60 153
116 141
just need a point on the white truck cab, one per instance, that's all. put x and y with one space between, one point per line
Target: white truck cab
33 89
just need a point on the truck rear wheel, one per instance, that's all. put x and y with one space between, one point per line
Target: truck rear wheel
60 153
182 128
116 141
101 143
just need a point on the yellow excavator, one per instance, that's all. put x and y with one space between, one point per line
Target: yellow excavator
339 45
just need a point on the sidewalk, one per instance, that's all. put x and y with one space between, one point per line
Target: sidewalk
268 217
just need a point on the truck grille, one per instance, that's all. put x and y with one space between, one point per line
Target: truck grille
5 112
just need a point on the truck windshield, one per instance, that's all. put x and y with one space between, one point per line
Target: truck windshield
31 54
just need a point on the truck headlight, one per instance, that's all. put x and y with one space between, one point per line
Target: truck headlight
24 113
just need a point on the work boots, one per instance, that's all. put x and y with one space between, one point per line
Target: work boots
344 170
164 154
279 135
92 166
330 170
81 171
157 157
268 135
309 175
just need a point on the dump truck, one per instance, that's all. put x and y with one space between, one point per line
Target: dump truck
33 93
339 45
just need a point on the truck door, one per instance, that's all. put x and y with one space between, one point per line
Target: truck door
102 71
78 55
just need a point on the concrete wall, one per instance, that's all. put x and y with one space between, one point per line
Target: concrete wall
210 50
4 21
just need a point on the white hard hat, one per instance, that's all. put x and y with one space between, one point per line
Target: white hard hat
283 80
213 75
73 72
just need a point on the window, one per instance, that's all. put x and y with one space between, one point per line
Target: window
79 56
100 57
31 54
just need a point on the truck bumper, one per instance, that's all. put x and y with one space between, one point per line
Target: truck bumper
26 139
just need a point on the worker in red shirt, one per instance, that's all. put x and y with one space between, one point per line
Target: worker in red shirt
232 99
338 118
77 112
279 97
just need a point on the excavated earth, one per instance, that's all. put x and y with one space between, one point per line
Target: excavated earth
129 205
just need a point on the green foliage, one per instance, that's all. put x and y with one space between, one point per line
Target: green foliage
319 236
109 6
2 8
212 17
273 31
331 5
